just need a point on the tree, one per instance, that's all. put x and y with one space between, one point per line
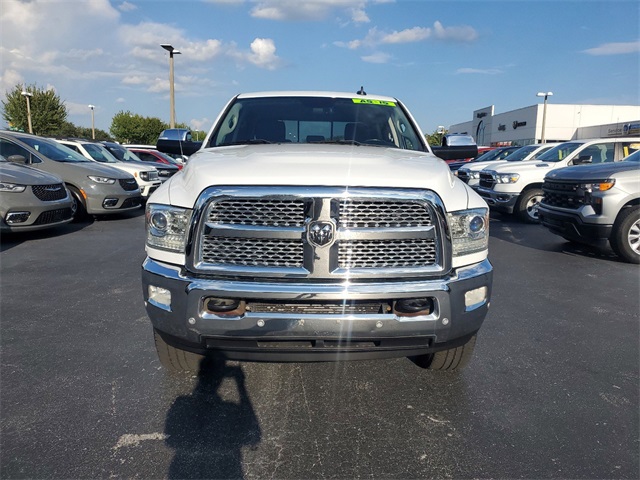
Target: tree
435 138
129 128
48 112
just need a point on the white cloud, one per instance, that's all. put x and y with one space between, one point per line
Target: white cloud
263 54
309 9
127 7
121 100
202 124
409 35
463 33
486 71
614 48
9 79
375 37
75 108
378 57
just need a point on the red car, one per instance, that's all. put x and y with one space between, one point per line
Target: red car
148 155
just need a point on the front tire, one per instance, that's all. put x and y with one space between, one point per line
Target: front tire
625 237
527 208
176 360
447 360
78 208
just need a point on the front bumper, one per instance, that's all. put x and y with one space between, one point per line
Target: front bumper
146 189
187 325
103 199
572 226
501 201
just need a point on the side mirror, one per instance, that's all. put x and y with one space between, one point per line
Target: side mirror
583 159
18 159
178 147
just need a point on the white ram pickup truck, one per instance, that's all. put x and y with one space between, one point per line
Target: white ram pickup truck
516 187
315 226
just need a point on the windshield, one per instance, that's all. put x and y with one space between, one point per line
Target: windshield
122 153
53 150
99 153
521 153
559 152
353 121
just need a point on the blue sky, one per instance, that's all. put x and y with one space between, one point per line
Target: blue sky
443 59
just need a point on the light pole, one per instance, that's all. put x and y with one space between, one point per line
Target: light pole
544 112
93 130
28 96
172 51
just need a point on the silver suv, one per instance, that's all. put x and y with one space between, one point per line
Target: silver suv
95 188
594 204
146 175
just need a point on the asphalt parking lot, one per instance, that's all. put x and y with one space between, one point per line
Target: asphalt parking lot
552 391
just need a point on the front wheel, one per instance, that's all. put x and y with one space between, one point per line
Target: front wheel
78 209
625 238
176 360
447 360
527 208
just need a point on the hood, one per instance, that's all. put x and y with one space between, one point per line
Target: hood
316 165
24 175
525 166
68 170
601 171
482 165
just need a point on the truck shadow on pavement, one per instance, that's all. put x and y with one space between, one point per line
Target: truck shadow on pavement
206 431
506 228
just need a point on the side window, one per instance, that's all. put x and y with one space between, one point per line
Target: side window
629 147
145 157
600 152
72 147
8 148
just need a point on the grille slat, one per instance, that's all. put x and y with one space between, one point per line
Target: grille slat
486 180
252 252
283 213
563 195
387 254
49 193
53 216
382 214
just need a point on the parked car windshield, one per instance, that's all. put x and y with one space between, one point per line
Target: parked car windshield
521 153
99 153
122 153
53 150
559 152
316 120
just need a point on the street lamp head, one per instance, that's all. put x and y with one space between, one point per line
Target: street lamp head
24 93
544 94
92 107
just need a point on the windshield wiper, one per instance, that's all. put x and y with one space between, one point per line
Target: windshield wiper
340 142
253 141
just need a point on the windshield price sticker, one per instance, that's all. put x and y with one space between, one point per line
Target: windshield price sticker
373 102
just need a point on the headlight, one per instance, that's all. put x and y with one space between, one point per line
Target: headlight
506 177
598 186
167 227
469 231
474 174
106 180
11 187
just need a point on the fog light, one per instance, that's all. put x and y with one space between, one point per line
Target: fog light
475 298
160 297
229 307
414 306
110 202
17 217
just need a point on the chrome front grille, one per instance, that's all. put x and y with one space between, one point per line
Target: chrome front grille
382 213
267 212
387 253
252 252
320 233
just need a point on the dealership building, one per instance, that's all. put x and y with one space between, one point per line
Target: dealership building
562 123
